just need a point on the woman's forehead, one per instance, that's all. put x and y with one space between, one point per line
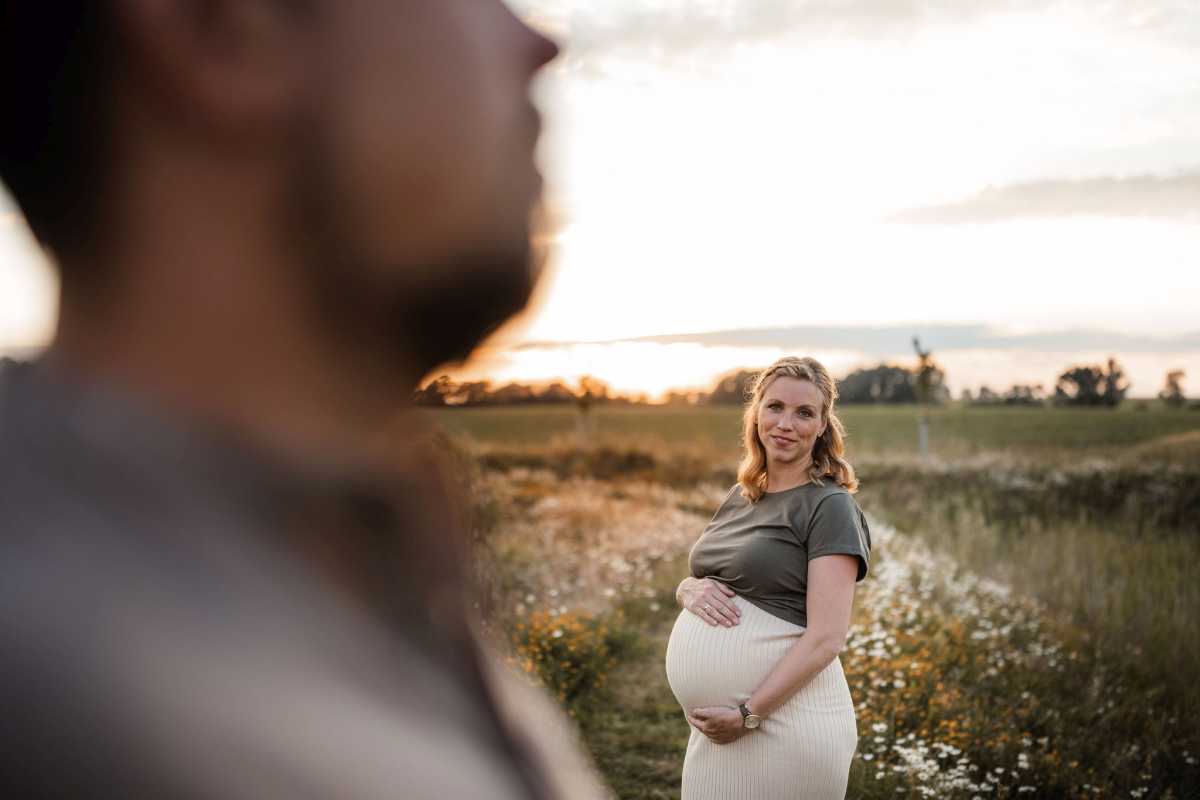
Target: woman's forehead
793 391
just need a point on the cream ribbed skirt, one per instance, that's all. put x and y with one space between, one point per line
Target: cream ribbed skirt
802 751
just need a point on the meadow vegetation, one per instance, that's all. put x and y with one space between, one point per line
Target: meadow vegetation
1026 629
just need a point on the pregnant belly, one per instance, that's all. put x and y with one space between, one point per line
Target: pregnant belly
711 665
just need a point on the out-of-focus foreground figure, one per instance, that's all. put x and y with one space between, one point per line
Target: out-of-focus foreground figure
271 217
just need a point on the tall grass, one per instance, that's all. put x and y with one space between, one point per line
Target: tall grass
1114 552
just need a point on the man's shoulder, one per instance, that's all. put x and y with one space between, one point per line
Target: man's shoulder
122 656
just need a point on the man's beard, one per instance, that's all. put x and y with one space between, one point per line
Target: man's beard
474 295
457 302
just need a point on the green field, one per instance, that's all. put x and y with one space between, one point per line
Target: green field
873 431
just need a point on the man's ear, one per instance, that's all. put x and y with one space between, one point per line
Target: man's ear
236 67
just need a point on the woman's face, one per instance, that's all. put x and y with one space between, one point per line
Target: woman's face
789 419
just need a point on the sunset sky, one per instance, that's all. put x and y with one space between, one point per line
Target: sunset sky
736 180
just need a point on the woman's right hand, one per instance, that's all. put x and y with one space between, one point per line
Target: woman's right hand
709 600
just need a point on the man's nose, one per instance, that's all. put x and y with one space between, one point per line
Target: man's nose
545 48
540 47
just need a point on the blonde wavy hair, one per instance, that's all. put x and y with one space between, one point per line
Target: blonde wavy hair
829 450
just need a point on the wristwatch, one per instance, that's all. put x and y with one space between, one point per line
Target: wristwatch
748 720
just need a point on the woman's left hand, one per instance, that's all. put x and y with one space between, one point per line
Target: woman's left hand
721 724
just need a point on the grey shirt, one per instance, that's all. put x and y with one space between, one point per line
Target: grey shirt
761 550
162 639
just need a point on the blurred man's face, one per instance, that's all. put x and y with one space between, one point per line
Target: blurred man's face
416 170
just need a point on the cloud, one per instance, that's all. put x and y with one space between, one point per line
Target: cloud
665 29
886 340
1173 197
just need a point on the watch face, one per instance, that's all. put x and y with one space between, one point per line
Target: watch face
752 721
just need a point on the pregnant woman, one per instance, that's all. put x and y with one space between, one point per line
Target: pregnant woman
753 657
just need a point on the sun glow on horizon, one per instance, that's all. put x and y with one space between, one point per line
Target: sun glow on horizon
651 370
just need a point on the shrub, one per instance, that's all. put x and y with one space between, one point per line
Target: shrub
569 654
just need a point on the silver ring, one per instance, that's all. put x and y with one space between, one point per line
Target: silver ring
707 607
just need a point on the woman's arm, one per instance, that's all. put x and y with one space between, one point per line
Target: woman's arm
830 599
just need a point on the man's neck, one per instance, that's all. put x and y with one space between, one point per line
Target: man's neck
258 369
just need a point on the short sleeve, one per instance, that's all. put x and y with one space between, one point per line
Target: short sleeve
838 525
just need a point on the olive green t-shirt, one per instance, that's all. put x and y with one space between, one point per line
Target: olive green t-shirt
761 550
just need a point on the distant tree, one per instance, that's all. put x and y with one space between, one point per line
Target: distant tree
1172 393
591 390
929 380
556 393
1115 384
882 384
930 387
511 394
1079 386
965 396
987 396
1025 395
443 391
733 387
435 392
682 398
1091 386
473 393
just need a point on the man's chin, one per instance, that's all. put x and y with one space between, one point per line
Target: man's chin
473 296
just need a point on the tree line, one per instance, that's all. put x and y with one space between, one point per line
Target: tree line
923 383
